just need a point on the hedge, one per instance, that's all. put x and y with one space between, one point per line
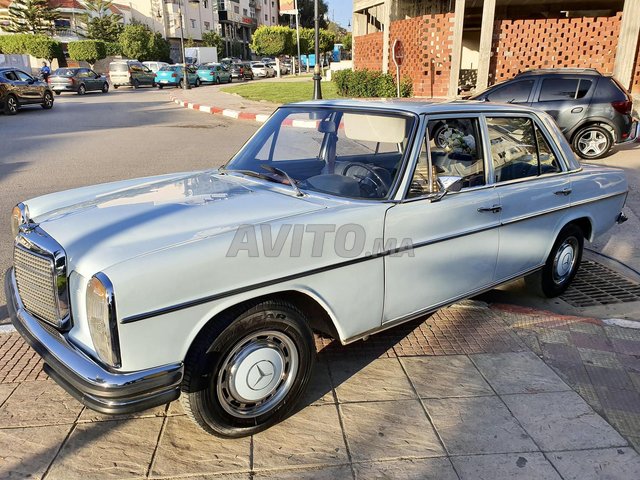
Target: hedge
39 46
368 84
87 51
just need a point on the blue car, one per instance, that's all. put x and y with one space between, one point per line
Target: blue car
214 73
173 75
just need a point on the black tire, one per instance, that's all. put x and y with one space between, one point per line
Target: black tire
561 265
153 84
136 83
105 88
58 93
11 105
197 84
592 142
230 79
116 86
159 87
180 84
264 333
82 89
47 101
217 80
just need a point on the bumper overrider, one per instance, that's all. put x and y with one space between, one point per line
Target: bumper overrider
90 383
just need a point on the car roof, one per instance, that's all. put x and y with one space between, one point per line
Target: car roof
420 106
561 71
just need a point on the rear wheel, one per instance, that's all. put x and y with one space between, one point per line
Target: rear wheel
197 84
180 84
105 87
246 372
136 83
159 87
592 142
47 101
58 93
561 265
230 79
11 105
82 90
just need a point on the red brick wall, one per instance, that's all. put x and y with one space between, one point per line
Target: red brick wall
427 43
368 51
584 42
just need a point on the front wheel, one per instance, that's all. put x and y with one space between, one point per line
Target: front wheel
159 87
82 90
105 88
247 371
180 84
197 84
47 101
592 142
136 83
561 265
11 105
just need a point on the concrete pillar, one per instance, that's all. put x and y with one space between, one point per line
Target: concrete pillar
456 49
486 41
627 43
386 23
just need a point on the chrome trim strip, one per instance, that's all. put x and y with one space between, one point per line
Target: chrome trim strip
83 376
113 318
426 311
295 276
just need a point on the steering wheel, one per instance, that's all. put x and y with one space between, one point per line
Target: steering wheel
380 185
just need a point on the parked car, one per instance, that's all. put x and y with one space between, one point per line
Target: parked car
173 75
18 88
130 73
247 71
262 70
214 73
155 66
241 71
342 217
77 80
592 110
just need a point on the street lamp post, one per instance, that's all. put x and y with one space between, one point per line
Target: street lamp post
317 75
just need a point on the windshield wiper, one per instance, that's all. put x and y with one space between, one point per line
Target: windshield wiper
284 174
248 173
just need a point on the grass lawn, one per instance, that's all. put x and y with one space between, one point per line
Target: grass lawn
281 92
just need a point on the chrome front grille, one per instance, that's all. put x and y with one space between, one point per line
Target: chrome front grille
35 280
41 276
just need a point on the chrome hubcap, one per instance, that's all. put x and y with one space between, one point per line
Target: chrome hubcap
257 374
48 99
565 260
12 104
592 143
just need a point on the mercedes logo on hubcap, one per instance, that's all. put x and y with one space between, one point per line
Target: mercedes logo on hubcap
260 375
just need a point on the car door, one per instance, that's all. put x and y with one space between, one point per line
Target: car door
533 190
94 79
27 89
84 78
565 98
449 215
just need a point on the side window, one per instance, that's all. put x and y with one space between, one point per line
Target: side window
519 150
559 89
516 92
548 161
451 157
583 88
11 76
23 77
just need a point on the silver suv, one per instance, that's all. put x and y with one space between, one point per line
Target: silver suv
592 110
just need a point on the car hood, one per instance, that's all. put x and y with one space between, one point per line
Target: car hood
101 228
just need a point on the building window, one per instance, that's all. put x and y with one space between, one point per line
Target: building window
266 17
193 23
244 12
273 4
236 9
205 3
207 26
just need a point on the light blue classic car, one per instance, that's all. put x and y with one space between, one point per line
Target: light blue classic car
343 217
214 73
173 75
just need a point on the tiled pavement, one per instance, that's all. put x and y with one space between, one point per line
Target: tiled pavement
458 395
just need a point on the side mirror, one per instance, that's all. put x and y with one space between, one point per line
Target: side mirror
98 75
31 81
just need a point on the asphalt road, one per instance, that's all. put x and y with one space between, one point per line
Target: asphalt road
101 138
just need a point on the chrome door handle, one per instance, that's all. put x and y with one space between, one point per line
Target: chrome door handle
564 191
577 110
493 209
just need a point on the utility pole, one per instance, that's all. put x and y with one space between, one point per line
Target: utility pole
298 37
317 69
185 74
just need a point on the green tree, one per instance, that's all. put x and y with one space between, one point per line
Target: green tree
139 42
89 51
212 39
347 42
160 48
308 40
41 46
100 21
15 44
31 16
272 41
189 42
307 13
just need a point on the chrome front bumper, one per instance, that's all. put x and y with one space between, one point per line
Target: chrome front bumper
96 387
634 132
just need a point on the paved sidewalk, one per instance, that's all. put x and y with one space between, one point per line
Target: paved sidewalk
459 394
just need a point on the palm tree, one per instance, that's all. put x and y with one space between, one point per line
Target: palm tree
31 16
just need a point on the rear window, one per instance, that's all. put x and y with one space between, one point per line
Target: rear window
65 72
609 90
170 69
118 67
258 65
564 89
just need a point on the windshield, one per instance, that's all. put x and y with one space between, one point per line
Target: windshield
348 153
170 69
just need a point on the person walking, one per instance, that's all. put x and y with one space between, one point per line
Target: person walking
45 71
